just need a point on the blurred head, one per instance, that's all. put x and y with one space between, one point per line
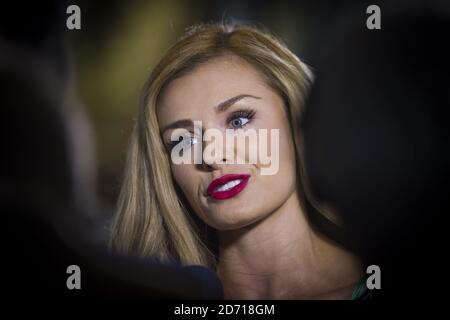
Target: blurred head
206 68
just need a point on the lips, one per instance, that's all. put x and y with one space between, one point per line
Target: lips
227 186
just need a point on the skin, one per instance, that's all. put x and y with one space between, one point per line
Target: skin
267 248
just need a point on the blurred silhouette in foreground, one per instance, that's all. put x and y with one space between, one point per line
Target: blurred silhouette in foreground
377 142
50 216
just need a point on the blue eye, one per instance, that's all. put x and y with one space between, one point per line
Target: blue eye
189 141
240 118
239 122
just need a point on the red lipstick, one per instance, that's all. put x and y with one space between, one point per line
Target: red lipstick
227 186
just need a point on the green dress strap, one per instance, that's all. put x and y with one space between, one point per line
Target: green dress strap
361 292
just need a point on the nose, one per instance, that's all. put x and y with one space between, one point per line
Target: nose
215 151
213 157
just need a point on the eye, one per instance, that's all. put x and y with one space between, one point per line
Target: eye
239 122
184 141
187 142
240 118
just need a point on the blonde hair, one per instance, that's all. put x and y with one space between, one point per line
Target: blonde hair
152 219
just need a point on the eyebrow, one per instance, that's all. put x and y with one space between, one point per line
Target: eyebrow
220 108
228 103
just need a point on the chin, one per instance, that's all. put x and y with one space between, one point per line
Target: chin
225 220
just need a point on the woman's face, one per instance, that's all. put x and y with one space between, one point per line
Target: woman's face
233 201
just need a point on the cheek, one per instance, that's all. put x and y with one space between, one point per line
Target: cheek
276 154
186 179
288 171
287 152
189 181
274 190
283 164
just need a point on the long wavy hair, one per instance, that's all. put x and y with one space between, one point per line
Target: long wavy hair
153 217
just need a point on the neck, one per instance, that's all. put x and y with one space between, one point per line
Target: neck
281 257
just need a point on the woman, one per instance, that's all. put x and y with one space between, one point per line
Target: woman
229 77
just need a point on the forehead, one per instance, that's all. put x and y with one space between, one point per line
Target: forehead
196 93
